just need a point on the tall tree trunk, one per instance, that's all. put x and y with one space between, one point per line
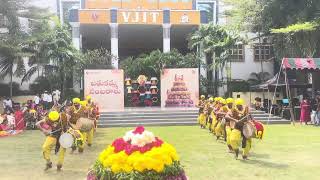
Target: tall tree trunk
11 77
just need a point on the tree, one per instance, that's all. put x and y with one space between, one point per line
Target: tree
11 43
151 64
92 59
292 26
215 41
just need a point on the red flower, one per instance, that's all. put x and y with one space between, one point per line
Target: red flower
145 148
157 143
138 130
119 145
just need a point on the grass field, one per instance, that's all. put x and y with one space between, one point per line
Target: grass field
287 153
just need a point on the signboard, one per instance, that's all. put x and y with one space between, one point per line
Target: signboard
185 17
94 16
179 87
105 87
140 17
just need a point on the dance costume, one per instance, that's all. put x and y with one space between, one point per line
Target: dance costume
57 125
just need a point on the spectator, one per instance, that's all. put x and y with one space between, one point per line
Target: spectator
36 99
314 107
305 111
47 99
7 104
317 116
11 120
56 96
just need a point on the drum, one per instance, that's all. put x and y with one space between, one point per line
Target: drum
154 90
154 81
128 81
135 85
66 140
148 95
249 130
154 99
148 85
84 124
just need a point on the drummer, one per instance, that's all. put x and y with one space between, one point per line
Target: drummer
202 116
229 124
209 107
52 126
239 115
77 111
222 110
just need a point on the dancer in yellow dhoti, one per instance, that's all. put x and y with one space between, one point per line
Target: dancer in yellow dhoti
219 130
77 111
52 126
229 124
202 116
240 116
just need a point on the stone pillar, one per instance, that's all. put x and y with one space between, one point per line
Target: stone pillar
114 45
166 37
76 35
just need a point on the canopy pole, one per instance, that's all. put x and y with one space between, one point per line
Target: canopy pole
275 90
289 98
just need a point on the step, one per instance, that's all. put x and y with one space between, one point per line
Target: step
150 115
150 112
262 115
257 112
151 120
149 124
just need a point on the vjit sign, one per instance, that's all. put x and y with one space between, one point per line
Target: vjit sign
105 87
140 17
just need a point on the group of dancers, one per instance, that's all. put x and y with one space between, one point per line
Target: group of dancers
78 119
230 119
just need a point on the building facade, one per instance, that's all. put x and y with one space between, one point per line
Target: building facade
131 27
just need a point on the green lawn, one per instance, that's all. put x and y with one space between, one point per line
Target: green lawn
287 153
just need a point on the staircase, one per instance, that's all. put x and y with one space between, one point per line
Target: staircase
263 117
166 117
149 117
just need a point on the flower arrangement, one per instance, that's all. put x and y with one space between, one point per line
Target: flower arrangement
138 155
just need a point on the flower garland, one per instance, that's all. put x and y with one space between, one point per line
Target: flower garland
137 154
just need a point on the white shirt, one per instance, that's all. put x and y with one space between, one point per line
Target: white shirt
11 120
36 99
56 95
49 98
7 103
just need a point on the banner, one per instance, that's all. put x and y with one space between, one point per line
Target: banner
105 87
179 87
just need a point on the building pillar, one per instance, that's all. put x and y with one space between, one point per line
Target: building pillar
114 45
166 37
76 35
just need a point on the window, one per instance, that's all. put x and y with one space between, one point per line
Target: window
237 53
263 52
3 21
209 7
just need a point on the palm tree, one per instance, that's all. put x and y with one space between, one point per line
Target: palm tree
216 41
12 43
10 55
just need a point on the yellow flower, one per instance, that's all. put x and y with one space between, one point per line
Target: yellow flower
115 168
